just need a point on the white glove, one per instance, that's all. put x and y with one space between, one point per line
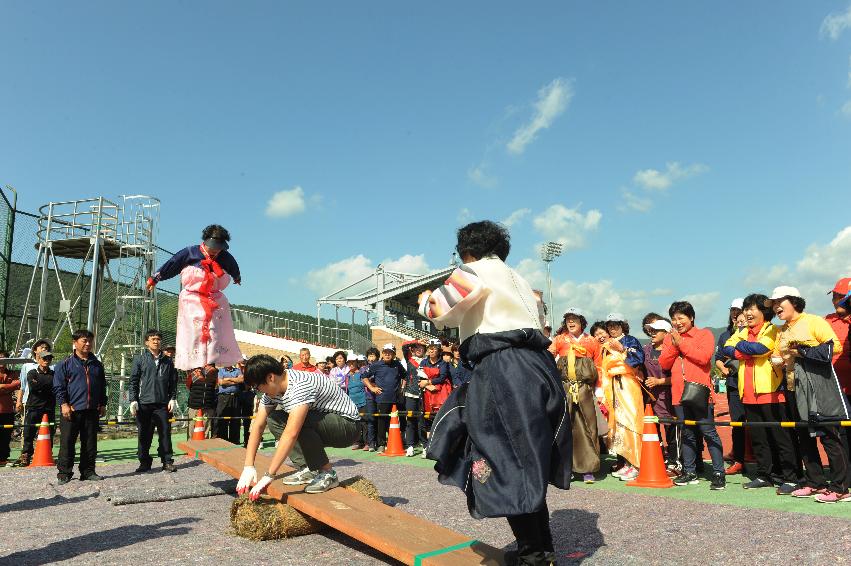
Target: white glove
249 476
598 393
259 488
172 406
134 408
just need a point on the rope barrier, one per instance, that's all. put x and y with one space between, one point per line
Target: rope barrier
745 424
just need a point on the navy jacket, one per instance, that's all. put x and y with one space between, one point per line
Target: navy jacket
387 377
460 374
192 255
153 382
80 383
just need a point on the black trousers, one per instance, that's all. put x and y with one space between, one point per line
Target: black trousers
416 429
228 406
383 423
773 448
6 435
833 443
31 420
534 538
83 424
150 416
737 413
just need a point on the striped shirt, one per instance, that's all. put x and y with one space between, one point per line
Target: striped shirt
316 390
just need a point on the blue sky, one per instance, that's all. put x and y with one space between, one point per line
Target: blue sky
676 149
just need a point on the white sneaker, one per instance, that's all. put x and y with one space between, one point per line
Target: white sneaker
409 452
630 474
301 477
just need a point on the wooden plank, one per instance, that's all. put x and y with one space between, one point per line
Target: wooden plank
386 529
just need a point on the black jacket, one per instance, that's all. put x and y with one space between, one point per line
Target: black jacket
40 389
152 380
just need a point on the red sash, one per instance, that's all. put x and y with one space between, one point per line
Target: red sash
212 270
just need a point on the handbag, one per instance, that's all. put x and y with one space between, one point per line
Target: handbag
695 395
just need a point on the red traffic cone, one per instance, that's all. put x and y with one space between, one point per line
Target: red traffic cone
394 437
43 455
199 431
652 470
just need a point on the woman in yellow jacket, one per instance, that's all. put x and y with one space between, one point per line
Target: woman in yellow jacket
761 389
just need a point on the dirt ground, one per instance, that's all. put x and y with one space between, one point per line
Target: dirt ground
76 524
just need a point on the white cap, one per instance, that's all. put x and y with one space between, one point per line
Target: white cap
738 303
574 311
435 342
660 324
784 291
360 358
615 317
389 346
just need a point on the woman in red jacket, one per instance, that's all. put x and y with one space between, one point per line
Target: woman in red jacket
687 352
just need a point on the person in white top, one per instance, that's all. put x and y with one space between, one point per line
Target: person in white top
316 413
514 438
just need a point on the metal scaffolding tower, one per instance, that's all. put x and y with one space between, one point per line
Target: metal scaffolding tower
88 236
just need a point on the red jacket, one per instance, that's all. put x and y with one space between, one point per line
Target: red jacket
842 360
9 383
692 358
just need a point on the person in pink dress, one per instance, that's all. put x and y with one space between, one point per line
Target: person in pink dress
204 326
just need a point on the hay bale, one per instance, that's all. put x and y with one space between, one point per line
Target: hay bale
269 519
360 484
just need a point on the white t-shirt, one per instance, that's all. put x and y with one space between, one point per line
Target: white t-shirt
317 391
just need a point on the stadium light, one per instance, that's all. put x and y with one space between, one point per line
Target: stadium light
549 252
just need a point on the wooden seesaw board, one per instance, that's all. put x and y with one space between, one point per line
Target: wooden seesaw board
389 530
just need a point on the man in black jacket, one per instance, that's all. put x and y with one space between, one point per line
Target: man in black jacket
153 388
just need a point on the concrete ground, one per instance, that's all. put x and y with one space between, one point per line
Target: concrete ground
605 523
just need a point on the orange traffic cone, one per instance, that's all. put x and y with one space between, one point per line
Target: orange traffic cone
43 455
199 431
394 437
652 471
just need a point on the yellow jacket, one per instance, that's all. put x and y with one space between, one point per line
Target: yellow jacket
765 379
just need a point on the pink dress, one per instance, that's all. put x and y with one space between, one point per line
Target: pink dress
191 350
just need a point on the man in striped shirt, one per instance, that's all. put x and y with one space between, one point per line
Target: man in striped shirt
315 413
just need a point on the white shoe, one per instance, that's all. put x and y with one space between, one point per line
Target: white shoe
409 452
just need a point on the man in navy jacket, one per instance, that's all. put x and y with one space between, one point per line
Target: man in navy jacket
79 384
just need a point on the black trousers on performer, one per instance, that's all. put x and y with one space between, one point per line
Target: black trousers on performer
6 435
534 538
228 406
150 416
773 448
83 424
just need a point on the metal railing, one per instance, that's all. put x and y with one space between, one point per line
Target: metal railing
300 331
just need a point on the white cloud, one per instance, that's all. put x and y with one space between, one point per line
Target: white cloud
408 263
652 179
836 23
704 305
515 217
337 274
552 102
464 216
286 203
478 175
846 109
631 201
568 226
595 298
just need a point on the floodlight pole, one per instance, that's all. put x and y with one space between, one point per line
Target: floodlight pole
549 252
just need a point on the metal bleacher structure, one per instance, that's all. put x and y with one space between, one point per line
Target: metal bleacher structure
389 298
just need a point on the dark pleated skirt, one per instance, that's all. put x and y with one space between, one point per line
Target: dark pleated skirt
505 435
